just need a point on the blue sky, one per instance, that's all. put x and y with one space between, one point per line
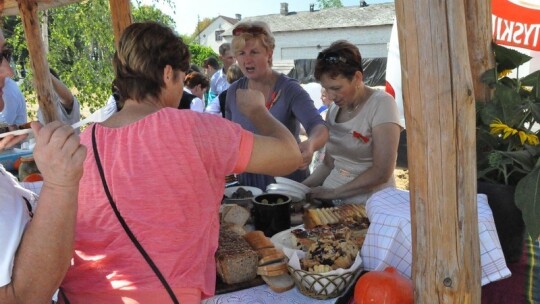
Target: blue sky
186 11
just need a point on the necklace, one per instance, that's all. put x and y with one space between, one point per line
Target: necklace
353 109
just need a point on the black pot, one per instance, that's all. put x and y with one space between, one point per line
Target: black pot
271 213
508 219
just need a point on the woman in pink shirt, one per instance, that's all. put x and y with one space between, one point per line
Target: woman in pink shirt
164 170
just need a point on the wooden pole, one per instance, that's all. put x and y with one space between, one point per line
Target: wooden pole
40 67
478 20
440 114
121 17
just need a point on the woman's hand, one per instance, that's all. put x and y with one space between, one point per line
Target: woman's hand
323 193
58 154
11 140
249 102
306 148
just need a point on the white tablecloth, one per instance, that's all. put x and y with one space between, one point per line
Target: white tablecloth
388 241
264 295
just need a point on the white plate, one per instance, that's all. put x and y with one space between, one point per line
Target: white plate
283 238
254 190
295 194
299 186
16 132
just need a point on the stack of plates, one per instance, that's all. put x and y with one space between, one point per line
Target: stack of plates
295 190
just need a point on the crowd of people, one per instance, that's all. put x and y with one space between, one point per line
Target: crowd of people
129 211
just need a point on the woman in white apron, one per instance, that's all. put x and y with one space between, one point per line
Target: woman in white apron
364 129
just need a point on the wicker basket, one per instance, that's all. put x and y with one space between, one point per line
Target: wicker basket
321 286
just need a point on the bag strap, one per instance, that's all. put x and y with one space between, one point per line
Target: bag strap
124 224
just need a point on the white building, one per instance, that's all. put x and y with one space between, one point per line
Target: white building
302 35
211 36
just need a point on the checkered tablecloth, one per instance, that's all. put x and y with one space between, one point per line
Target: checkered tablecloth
264 295
389 242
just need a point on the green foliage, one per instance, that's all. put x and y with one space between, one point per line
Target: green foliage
199 53
81 46
149 13
329 3
508 148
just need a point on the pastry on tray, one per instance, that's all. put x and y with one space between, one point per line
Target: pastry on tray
331 237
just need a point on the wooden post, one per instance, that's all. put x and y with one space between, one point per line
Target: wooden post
40 67
121 17
478 20
440 114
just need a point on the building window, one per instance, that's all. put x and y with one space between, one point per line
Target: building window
218 35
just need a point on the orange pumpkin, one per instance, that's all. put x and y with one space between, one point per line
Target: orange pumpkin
17 164
383 287
34 177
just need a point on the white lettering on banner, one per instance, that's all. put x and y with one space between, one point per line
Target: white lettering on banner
515 32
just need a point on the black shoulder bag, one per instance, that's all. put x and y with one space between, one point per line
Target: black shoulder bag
124 224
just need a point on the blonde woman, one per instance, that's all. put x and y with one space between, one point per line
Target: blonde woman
253 46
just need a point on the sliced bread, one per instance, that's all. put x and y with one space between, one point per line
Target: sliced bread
235 214
274 269
258 240
272 257
279 283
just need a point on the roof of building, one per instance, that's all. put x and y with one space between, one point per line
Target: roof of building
229 19
342 17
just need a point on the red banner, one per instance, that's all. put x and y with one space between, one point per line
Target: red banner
516 23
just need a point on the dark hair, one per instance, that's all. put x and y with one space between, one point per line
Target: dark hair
193 68
144 50
211 61
340 58
193 79
223 48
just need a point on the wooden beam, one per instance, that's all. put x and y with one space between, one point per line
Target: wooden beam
478 19
121 17
40 67
440 115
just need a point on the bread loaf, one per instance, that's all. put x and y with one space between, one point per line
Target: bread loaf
258 240
236 261
235 214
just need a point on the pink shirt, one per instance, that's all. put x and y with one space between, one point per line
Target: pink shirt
166 173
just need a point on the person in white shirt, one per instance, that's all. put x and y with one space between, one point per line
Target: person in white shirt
37 244
67 106
196 83
12 104
218 105
218 81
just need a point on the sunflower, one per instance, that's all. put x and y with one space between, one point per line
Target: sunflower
503 73
498 127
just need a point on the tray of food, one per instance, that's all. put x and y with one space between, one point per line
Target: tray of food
324 252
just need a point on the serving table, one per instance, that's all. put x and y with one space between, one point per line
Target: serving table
389 241
264 295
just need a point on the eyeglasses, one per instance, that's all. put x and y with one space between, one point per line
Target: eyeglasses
332 58
6 54
253 30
